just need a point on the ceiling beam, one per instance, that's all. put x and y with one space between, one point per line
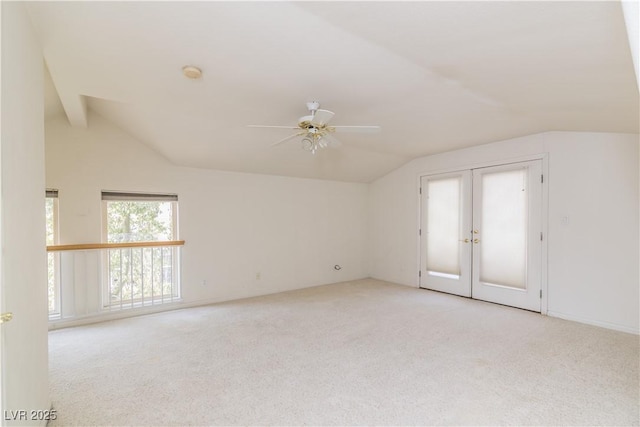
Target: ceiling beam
74 104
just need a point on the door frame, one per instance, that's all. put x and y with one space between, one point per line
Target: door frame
544 158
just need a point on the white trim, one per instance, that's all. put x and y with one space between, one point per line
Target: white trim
544 226
485 164
142 311
588 321
106 316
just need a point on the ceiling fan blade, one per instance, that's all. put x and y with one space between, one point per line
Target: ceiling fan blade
274 127
331 141
288 138
360 129
322 117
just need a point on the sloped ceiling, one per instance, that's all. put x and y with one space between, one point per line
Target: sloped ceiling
436 76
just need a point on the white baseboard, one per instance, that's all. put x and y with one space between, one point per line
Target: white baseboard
588 321
142 311
133 312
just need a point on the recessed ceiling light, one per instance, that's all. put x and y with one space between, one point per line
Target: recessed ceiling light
191 72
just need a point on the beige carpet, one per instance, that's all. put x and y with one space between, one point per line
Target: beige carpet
364 352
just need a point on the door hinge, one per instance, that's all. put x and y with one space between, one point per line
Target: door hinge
541 179
420 190
540 293
420 232
420 273
541 236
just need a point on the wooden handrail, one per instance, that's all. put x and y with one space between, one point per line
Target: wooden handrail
88 246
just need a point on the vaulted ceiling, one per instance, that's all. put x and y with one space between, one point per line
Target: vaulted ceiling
436 76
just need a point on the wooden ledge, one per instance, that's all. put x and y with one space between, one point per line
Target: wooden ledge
90 246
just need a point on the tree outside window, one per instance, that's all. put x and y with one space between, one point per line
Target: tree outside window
51 218
141 276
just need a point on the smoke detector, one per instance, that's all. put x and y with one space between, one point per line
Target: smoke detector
191 72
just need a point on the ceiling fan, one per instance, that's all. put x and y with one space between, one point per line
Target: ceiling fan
315 130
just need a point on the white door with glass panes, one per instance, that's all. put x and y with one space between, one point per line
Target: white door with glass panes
481 234
444 232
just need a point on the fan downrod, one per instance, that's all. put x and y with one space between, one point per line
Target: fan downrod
313 106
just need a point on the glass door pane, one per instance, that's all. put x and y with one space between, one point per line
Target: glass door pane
504 228
445 248
443 227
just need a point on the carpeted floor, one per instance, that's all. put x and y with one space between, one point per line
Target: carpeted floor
364 352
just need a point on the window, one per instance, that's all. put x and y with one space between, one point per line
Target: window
140 276
53 258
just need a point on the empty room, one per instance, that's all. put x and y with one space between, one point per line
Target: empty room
320 213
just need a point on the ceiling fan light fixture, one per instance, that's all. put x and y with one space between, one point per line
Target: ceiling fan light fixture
315 130
313 142
308 144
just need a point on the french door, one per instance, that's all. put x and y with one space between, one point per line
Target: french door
481 232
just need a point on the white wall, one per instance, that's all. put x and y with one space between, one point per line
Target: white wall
25 381
592 261
631 11
292 231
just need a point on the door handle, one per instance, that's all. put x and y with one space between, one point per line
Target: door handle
465 240
476 240
6 317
